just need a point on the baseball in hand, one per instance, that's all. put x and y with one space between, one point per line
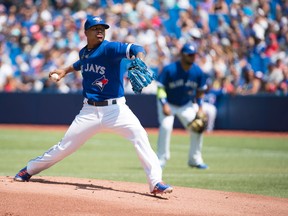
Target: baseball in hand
54 77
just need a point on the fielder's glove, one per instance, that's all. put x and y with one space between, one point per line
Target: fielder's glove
200 123
139 75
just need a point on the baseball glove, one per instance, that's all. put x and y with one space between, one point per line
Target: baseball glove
199 124
139 75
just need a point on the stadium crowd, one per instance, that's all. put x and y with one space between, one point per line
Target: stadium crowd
242 45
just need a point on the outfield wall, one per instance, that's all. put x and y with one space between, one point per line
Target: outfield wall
261 113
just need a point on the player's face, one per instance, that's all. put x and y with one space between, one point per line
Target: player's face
95 34
188 58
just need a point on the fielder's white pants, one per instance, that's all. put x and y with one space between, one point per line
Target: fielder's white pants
90 121
185 114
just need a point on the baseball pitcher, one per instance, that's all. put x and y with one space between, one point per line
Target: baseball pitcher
104 104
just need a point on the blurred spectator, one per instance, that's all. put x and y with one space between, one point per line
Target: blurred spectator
252 82
6 71
282 88
272 45
221 7
275 76
10 84
235 79
207 5
228 34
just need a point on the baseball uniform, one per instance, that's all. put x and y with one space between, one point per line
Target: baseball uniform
103 108
180 87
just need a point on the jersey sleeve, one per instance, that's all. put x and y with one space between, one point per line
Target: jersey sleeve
122 50
162 78
77 65
135 49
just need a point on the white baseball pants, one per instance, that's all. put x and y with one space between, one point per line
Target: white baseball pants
185 114
90 121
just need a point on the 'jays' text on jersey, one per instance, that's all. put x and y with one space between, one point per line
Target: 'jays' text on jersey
181 85
101 71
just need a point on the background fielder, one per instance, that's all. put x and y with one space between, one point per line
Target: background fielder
104 105
180 83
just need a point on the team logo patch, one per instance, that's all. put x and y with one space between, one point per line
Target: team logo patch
192 48
97 19
101 82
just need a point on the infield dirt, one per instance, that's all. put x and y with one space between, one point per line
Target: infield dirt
73 196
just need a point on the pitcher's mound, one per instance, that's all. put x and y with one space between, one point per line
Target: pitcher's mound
72 196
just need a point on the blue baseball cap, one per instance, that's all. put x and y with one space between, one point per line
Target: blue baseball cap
189 48
95 20
247 68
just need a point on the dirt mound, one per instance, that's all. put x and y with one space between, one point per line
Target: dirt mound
74 196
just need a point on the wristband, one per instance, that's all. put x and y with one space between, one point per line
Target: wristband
163 101
199 101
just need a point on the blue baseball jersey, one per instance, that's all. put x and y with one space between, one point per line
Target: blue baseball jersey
180 85
101 70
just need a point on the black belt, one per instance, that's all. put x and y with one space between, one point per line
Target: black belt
101 103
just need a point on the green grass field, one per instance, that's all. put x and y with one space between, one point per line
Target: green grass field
239 164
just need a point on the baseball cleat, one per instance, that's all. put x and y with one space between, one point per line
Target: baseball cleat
200 166
161 188
22 175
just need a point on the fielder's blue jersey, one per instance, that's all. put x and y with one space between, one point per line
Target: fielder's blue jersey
180 85
100 68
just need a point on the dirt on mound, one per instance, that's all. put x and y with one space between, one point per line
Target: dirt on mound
73 196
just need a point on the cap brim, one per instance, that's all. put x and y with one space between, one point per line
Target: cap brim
189 53
106 26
